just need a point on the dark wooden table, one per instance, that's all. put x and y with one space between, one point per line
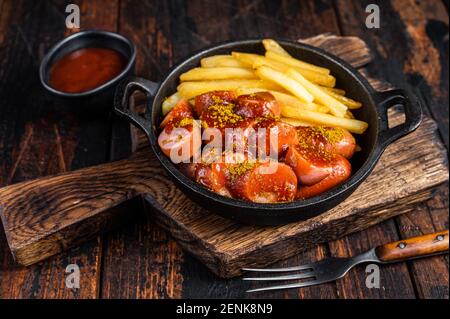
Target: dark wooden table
37 137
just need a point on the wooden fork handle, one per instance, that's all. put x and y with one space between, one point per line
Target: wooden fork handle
421 246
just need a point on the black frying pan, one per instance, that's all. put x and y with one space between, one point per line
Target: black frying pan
373 142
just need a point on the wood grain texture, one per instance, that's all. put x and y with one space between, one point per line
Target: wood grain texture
150 252
38 137
408 168
430 275
410 47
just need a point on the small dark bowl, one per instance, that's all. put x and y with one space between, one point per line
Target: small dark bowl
101 96
373 142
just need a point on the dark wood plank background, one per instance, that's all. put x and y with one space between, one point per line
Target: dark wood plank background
38 137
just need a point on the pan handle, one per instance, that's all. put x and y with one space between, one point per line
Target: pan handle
122 97
412 109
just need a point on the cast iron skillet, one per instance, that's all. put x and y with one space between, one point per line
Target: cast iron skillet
373 142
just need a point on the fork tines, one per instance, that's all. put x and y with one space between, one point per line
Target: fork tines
308 273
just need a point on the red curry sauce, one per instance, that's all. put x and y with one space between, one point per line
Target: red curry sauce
85 69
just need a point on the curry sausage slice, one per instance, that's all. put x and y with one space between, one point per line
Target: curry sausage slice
179 139
180 111
205 100
278 136
213 176
341 171
259 104
310 166
263 182
329 139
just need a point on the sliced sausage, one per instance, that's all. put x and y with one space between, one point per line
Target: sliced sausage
310 165
180 143
257 105
330 139
213 177
267 182
345 146
203 101
233 129
278 137
180 111
341 172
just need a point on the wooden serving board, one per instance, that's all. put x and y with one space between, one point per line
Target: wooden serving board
48 215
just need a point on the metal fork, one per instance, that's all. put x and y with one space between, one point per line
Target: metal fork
331 269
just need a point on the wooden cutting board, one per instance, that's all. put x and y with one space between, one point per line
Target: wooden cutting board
46 216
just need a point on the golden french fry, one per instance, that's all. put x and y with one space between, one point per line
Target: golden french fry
247 90
221 61
286 99
295 122
221 73
191 89
170 102
296 63
245 58
333 89
261 60
318 78
272 45
336 107
351 104
352 125
291 85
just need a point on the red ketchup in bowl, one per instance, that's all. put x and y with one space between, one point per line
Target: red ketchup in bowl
86 69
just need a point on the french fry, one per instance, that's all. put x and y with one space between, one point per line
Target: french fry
333 89
295 122
291 85
245 58
221 61
352 125
272 45
205 74
247 90
261 60
351 104
336 107
286 99
296 62
190 90
318 78
170 102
